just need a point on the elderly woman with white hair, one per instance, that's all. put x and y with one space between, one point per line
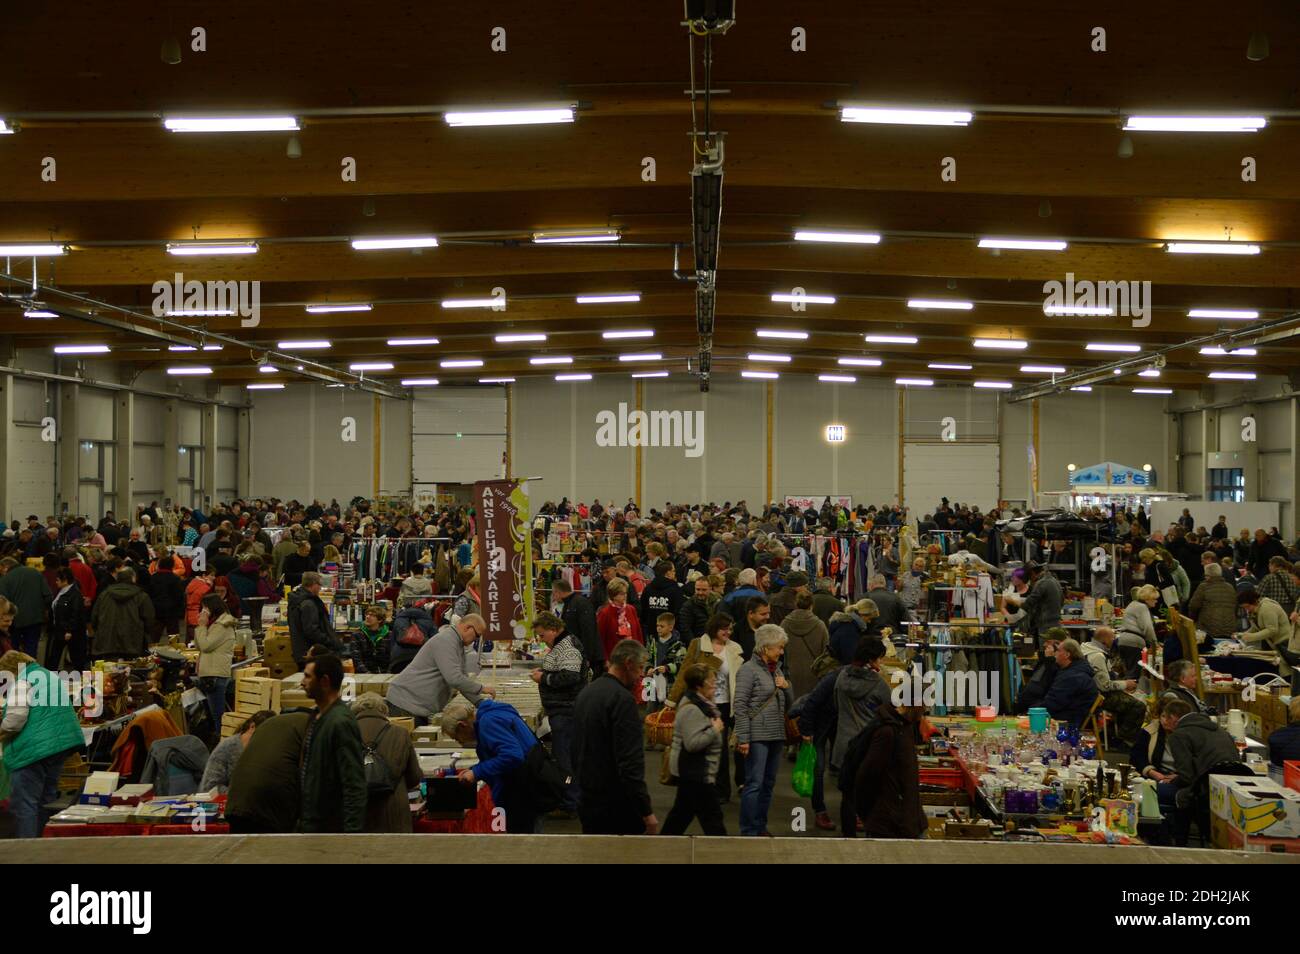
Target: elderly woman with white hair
763 697
502 741
1136 630
390 745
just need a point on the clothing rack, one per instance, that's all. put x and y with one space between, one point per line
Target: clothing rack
388 557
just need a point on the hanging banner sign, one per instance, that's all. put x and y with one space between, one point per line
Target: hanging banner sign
505 585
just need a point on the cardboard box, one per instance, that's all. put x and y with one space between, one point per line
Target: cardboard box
980 830
1256 807
100 788
257 693
1291 775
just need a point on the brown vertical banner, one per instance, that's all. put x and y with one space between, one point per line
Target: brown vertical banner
503 520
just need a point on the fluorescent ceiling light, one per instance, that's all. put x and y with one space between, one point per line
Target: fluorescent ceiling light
1038 245
1102 346
576 236
806 299
890 339
24 251
788 335
1233 375
195 369
513 339
781 358
924 303
1041 369
509 117
302 345
405 342
994 385
1082 387
905 117
552 359
1195 123
277 387
330 385
211 248
231 124
649 356
39 313
859 362
1228 314
6 129
1239 353
371 366
1212 248
850 238
331 309
1149 373
837 378
202 313
377 244
951 367
474 302
915 382
615 335
763 375
496 380
1080 311
613 299
651 374
1153 391
419 382
461 363
267 369
1001 344
573 377
81 349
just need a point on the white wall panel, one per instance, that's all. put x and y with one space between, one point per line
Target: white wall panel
458 435
191 423
148 422
667 473
31 473
964 473
94 414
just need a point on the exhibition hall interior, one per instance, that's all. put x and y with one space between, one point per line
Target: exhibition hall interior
719 432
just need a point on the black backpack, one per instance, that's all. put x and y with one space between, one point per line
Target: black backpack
381 780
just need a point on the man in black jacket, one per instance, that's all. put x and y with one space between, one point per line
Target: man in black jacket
662 595
607 749
309 620
579 618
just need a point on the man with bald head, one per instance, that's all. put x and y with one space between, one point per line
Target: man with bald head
1127 710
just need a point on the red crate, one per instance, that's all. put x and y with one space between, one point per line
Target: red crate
213 828
1291 775
92 831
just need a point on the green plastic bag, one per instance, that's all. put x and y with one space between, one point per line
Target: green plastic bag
805 770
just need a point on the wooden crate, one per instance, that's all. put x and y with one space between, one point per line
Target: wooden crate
252 672
403 722
231 721
257 693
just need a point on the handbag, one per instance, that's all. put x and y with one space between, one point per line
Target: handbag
543 780
1170 595
414 636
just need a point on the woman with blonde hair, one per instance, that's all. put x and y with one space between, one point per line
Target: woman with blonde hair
1137 631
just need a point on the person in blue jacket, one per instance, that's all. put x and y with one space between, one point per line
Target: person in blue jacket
502 740
1074 689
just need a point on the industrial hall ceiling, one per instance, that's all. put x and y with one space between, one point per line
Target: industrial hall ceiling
1033 197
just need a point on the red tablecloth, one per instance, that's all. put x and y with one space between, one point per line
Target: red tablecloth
477 821
107 830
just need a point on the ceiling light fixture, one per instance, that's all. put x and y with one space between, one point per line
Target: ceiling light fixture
787 335
496 380
837 378
905 117
890 339
1041 369
1037 245
994 385
573 377
643 357
762 375
1082 387
1238 353
915 382
39 313
926 303
379 244
1195 123
461 363
276 387
509 117
1153 391
6 129
1149 373
231 124
1233 375
302 345
859 362
950 367
1001 344
32 250
613 299
419 382
474 302
617 335
407 342
849 238
576 236
267 369
551 359
332 309
82 349
1079 311
761 357
1103 346
191 370
1212 248
805 299
651 374
371 366
211 248
1226 314
202 313
517 339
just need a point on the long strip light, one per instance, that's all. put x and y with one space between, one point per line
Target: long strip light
39 313
651 374
924 304
905 117
837 378
613 299
551 359
1104 346
763 357
1087 388
274 387
474 302
6 129
191 370
378 244
1233 375
1227 314
202 313
761 375
231 123
784 335
576 236
333 309
267 369
848 238
516 339
1036 245
82 349
419 382
371 366
1001 344
1238 353
915 382
32 250
211 248
1079 311
1041 369
1212 248
890 339
636 333
407 342
1149 373
461 363
303 345
1195 123
509 117
805 299
859 362
648 356
994 385
496 380
950 367
1153 391
573 377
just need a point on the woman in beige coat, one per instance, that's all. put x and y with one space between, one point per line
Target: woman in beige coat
389 813
809 638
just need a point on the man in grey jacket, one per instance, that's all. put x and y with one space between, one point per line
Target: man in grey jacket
438 669
1129 712
1043 604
